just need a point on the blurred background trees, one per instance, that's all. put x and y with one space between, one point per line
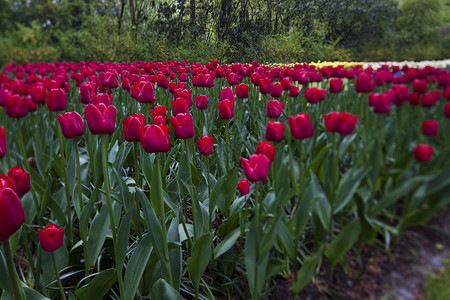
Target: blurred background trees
228 30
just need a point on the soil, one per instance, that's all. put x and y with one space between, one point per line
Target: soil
395 274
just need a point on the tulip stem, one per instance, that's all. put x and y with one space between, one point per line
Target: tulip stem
66 186
110 208
163 219
15 281
27 167
60 286
191 188
29 255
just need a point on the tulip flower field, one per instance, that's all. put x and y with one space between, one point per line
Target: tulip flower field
169 180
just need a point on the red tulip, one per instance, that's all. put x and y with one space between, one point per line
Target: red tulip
341 122
155 138
336 85
233 78
226 109
301 126
126 84
12 214
71 123
159 120
446 93
38 94
206 144
184 93
135 91
4 94
256 167
201 101
401 91
447 110
423 152
131 127
102 98
16 106
7 182
314 94
286 83
180 106
56 100
3 146
430 127
428 100
162 81
420 86
101 118
244 186
294 91
87 92
276 89
267 149
227 93
264 85
274 108
274 131
242 90
21 179
159 110
381 103
183 125
51 238
363 83
147 93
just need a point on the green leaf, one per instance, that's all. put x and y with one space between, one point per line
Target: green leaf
99 286
305 274
218 196
97 235
5 282
154 227
320 206
124 236
175 258
200 257
162 290
343 242
348 186
227 243
136 266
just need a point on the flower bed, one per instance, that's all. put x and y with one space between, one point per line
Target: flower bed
175 179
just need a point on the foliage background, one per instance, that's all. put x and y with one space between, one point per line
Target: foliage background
228 30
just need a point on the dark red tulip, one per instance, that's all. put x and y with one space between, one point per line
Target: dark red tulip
256 167
126 84
159 110
414 98
381 103
100 118
314 94
336 85
131 127
16 106
56 100
51 238
102 98
276 89
233 78
364 84
183 125
264 85
147 93
447 110
242 90
206 144
446 93
201 101
401 91
342 122
428 100
180 106
226 109
38 94
7 182
420 86
3 146
12 214
294 91
4 94
423 152
184 93
71 123
430 127
286 83
135 91
301 126
274 108
162 81
244 186
227 93
155 138
267 149
87 92
21 179
159 120
274 131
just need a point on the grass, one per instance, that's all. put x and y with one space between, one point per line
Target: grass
437 286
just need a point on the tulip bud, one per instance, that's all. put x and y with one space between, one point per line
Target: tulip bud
100 118
423 152
3 146
21 179
256 167
226 109
244 186
155 138
242 90
56 99
201 101
430 127
131 127
267 149
301 126
274 108
51 238
72 124
274 131
206 144
183 125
